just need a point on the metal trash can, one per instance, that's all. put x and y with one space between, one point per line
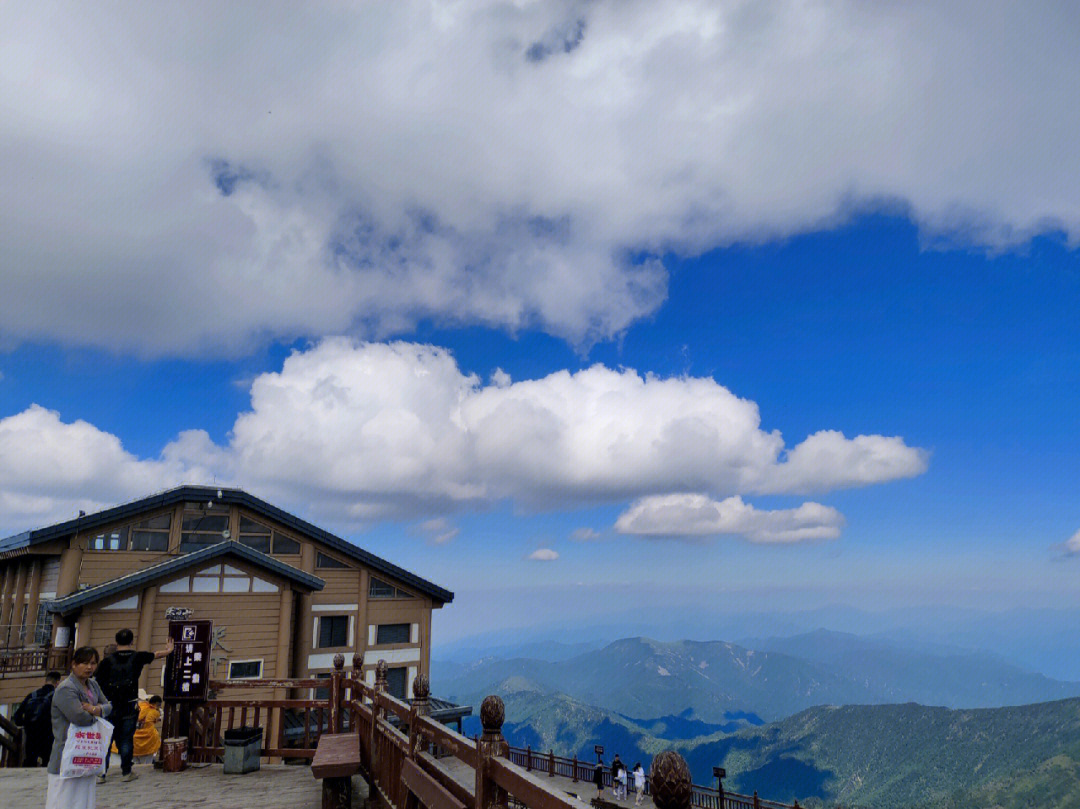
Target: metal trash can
242 746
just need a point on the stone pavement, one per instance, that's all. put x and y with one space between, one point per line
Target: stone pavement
272 787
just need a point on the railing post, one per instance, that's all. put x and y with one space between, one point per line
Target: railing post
575 768
757 801
336 693
376 713
670 780
528 758
421 706
551 763
491 745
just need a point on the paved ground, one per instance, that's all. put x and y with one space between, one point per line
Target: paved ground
272 787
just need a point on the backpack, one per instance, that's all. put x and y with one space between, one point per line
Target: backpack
122 684
37 710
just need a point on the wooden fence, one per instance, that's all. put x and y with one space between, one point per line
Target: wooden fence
12 744
401 746
29 661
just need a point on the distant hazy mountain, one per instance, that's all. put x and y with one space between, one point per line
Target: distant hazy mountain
639 677
891 673
893 756
878 756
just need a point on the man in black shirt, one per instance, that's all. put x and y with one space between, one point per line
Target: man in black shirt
35 715
118 676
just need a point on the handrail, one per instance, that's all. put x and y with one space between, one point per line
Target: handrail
12 745
503 773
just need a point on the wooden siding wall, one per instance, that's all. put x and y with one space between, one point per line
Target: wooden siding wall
84 567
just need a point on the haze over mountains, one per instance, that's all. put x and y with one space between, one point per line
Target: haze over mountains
640 677
824 717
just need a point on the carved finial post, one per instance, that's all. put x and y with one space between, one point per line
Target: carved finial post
491 745
336 677
670 783
421 706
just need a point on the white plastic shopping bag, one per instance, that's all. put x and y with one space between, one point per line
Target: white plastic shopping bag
85 749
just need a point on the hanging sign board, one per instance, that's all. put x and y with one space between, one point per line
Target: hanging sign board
187 669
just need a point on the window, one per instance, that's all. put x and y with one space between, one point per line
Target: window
151 534
148 535
203 528
395 682
219 579
285 546
265 540
333 631
245 669
254 535
321 693
116 540
381 589
392 633
324 561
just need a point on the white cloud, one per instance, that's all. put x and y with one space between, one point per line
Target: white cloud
584 535
698 515
1072 545
358 432
439 531
543 555
354 168
50 470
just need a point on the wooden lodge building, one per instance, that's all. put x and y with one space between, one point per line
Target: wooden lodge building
285 596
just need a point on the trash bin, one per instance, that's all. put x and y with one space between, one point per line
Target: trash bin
242 747
173 754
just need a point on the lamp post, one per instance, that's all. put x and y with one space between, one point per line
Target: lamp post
720 774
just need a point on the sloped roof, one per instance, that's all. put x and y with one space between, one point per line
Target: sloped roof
177 563
239 497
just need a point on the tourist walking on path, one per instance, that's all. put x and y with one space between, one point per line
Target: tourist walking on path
119 677
34 714
78 700
598 779
639 783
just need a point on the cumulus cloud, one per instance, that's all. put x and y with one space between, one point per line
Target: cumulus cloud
360 432
492 162
698 515
543 555
1072 545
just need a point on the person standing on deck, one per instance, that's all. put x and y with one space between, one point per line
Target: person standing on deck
616 767
34 714
639 783
119 677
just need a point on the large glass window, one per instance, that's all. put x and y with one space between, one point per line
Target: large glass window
262 538
202 528
255 535
151 534
392 633
381 589
115 540
333 631
245 669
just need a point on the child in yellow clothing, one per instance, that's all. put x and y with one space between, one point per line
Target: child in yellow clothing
147 739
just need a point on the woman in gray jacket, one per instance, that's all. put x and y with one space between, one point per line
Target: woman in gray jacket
78 700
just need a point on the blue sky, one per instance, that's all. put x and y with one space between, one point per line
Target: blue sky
470 305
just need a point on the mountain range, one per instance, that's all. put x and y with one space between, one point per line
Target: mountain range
640 677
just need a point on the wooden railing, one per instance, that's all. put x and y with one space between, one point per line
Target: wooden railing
12 744
396 736
29 661
576 770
